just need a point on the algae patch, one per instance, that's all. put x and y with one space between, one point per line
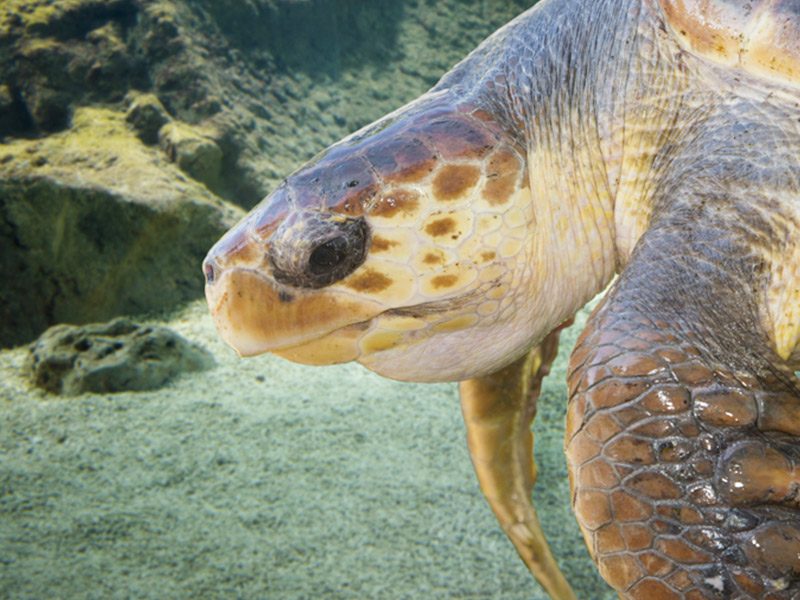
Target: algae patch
94 223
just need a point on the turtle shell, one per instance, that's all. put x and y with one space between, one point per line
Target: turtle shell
762 37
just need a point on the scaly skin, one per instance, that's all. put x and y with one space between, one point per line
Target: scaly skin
448 239
681 433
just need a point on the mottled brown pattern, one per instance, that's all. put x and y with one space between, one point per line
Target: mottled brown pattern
369 282
380 244
402 160
396 202
441 227
455 181
459 138
502 175
444 281
343 186
498 191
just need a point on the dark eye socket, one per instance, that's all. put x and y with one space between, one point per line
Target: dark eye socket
327 256
319 251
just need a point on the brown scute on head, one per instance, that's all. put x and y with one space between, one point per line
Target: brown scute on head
352 186
444 281
482 115
454 181
502 174
344 185
356 175
370 281
396 202
456 138
433 259
441 227
503 162
402 160
498 191
488 256
272 211
380 244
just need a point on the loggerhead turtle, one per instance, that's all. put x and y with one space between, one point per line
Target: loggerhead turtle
654 139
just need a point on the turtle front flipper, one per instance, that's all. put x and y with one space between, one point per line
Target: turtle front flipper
683 421
498 412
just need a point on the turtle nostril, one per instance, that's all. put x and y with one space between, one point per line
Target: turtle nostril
210 272
327 256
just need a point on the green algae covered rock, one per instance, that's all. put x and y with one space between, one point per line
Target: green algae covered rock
147 116
111 357
55 54
94 224
193 150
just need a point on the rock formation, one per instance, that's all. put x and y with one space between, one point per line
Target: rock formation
111 357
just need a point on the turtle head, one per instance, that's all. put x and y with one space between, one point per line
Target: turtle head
403 247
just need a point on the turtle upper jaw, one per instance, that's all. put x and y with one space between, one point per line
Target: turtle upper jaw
254 315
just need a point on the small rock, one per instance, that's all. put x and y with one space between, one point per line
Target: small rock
196 154
147 116
108 357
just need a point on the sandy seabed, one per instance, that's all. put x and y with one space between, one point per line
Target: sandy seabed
264 479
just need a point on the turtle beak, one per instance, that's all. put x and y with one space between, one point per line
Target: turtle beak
268 281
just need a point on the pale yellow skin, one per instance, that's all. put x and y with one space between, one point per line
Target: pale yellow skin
465 278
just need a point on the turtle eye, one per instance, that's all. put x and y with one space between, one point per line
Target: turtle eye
314 250
327 256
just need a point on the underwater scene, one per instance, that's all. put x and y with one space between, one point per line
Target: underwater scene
137 462
305 299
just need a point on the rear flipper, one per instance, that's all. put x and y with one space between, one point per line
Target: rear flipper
498 412
683 425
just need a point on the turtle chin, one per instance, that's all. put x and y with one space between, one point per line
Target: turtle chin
340 346
445 357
